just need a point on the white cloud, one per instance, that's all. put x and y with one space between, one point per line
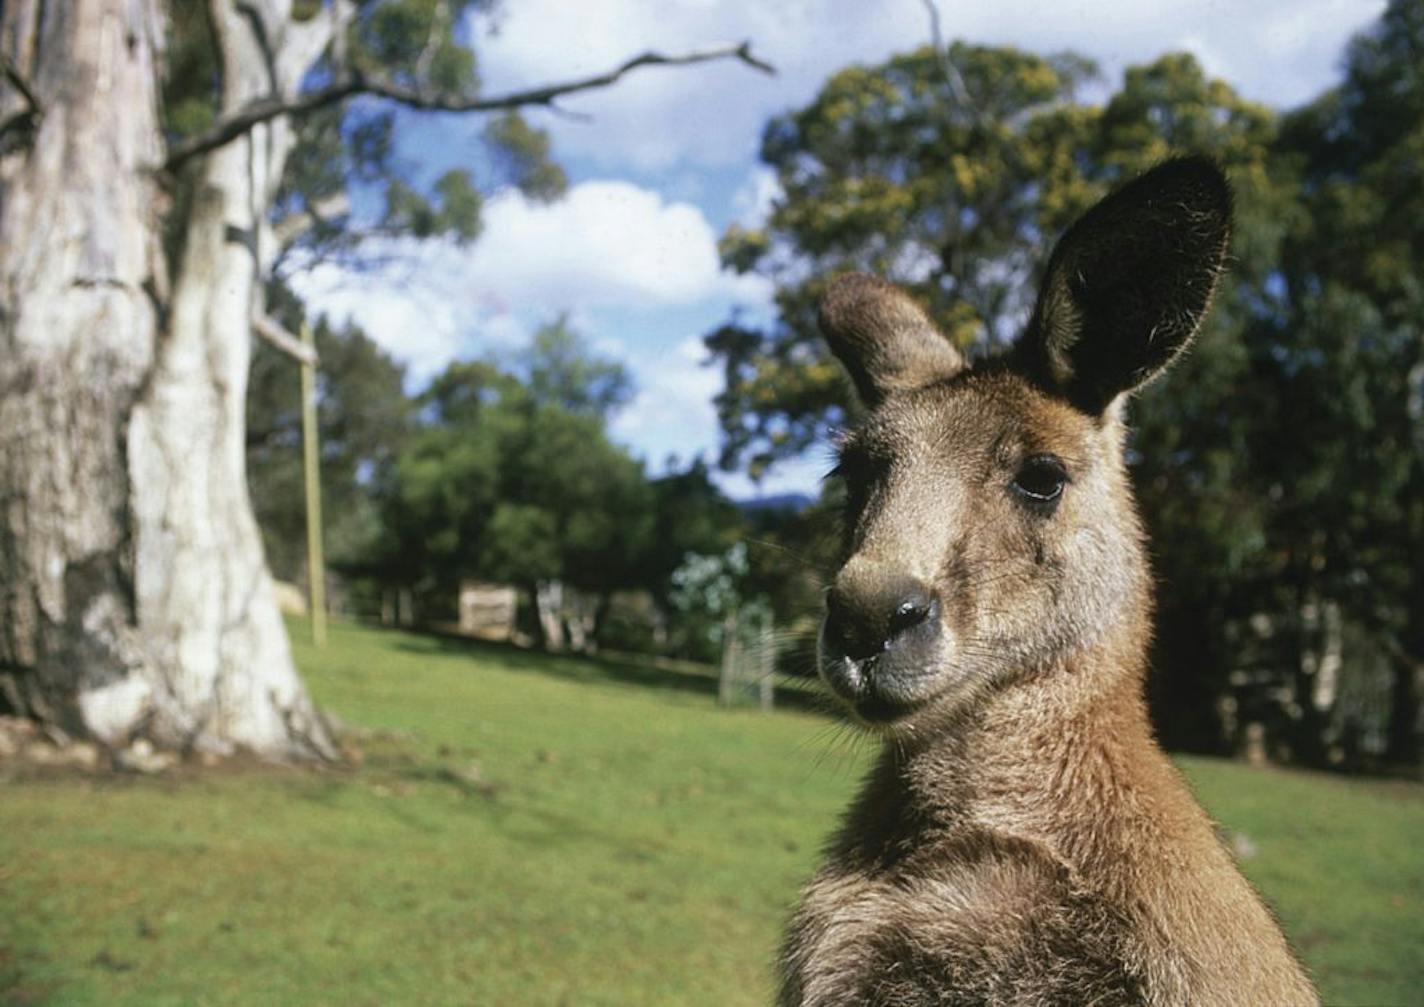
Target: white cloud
421 328
636 266
1282 54
752 202
658 117
673 413
798 475
673 407
609 245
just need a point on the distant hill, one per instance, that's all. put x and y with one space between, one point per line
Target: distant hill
793 502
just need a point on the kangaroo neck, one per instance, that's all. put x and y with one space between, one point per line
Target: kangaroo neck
1058 758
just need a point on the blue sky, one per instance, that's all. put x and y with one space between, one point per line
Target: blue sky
664 161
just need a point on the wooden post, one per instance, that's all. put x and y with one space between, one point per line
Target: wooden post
731 656
316 565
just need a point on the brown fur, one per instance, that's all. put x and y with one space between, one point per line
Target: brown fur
1022 839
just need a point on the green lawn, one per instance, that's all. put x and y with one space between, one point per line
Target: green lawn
528 830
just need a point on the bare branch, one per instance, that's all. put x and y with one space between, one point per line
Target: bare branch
438 18
32 112
294 225
264 43
19 83
343 12
233 126
283 340
951 72
568 113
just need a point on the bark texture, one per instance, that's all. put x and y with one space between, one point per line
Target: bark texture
134 595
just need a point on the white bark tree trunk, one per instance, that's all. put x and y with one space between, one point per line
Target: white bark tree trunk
77 220
581 619
136 600
549 609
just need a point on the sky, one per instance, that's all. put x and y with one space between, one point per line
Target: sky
664 161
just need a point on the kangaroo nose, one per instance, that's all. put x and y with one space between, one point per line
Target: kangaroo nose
864 620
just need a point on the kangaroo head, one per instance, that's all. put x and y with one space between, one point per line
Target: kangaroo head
990 529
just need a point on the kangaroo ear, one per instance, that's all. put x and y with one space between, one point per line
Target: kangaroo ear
886 342
1129 284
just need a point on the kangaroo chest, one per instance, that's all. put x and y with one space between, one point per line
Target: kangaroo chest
998 922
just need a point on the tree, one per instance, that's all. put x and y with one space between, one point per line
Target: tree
444 484
1191 450
560 371
721 615
512 477
363 416
1350 445
691 516
892 170
949 172
596 498
140 223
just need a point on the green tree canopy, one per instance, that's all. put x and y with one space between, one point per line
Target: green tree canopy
559 370
414 48
363 418
954 192
510 476
1278 470
1346 353
886 171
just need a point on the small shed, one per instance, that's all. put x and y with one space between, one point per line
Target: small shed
488 611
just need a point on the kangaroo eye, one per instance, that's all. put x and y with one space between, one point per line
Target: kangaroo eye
1041 480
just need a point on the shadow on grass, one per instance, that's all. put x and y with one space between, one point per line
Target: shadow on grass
16 989
403 776
630 670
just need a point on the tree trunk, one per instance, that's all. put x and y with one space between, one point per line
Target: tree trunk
1404 749
1309 721
549 611
76 218
581 620
136 601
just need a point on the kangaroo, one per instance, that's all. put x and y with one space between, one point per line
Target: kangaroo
1021 839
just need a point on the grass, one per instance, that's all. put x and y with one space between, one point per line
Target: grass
529 830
